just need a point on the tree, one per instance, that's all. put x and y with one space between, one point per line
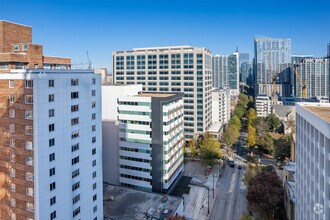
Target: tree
239 111
230 136
251 116
243 99
265 143
265 192
192 148
210 149
251 138
236 122
261 125
283 148
273 122
246 216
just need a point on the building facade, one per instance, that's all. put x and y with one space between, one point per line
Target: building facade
219 71
151 141
312 161
172 69
272 59
263 106
51 155
221 103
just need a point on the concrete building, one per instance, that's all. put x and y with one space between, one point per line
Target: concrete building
220 71
172 69
263 105
315 73
289 190
51 155
18 52
151 141
272 57
110 128
312 161
221 102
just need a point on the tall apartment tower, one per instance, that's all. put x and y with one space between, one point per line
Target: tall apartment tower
151 140
233 71
51 147
219 71
172 69
221 103
312 161
315 73
18 52
272 58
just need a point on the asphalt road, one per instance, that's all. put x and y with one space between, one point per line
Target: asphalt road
230 202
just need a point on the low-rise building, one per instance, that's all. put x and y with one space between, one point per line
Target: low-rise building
263 105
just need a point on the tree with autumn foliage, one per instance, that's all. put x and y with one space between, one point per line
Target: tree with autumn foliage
192 150
251 137
210 149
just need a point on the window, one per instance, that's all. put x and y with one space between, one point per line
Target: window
51 98
16 48
95 209
28 99
11 99
75 173
28 129
28 114
75 160
53 215
28 84
76 212
94 163
12 172
93 127
94 186
93 81
52 200
51 127
74 95
93 151
12 142
52 171
11 83
74 82
29 207
12 158
51 83
51 142
94 197
93 92
76 199
51 112
12 113
93 104
93 116
74 134
74 121
52 186
75 186
94 174
12 202
12 128
29 161
74 108
93 139
28 145
29 191
24 47
12 187
75 147
51 156
12 216
29 176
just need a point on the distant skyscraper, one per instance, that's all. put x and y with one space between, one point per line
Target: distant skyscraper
243 59
272 57
233 71
245 71
219 71
328 50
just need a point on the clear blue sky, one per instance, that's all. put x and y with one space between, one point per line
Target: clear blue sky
71 27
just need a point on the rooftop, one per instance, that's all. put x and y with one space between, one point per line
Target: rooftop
160 95
125 204
321 111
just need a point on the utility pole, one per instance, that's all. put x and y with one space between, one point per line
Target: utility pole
208 200
213 186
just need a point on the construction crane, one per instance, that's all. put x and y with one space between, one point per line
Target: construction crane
302 83
89 61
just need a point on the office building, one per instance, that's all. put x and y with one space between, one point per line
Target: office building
18 52
151 141
263 106
233 71
272 59
244 66
110 128
220 71
51 155
312 161
314 72
172 69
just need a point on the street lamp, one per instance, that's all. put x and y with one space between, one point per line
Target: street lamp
208 200
213 186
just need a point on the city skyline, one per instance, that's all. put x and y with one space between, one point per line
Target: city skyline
101 27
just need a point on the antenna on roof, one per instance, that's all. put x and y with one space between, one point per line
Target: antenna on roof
89 61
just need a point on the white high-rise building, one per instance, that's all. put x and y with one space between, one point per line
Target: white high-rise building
312 161
221 102
151 141
51 134
263 106
172 69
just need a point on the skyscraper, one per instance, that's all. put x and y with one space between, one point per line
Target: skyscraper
220 71
244 66
272 59
172 69
233 71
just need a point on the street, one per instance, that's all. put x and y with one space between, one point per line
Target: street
230 202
